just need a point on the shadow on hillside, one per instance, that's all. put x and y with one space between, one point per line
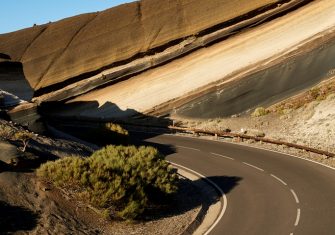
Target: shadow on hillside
86 120
191 195
16 218
83 120
4 56
91 112
14 81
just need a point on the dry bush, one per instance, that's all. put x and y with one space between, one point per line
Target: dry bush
24 137
260 111
116 178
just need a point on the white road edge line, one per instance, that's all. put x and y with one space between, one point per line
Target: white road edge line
224 197
248 146
266 149
298 217
219 155
295 196
184 147
254 147
279 179
260 169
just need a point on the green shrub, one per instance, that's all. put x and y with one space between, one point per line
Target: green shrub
260 111
116 128
116 178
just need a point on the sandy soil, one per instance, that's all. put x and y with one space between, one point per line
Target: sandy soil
214 63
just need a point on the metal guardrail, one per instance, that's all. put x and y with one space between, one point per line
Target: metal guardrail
164 129
243 136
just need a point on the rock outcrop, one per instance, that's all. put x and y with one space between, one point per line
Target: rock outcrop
78 47
13 84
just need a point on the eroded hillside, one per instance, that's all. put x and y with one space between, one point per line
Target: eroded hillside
83 45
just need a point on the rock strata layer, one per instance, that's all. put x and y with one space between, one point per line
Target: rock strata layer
57 52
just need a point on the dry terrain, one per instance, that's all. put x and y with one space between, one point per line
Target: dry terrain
79 47
306 119
31 206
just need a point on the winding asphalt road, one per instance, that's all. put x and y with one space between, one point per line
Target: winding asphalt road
268 193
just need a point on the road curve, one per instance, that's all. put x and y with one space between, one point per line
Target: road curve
267 192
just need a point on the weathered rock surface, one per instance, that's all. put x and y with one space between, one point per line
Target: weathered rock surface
13 81
9 153
56 52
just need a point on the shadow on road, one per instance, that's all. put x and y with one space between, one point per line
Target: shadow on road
15 218
191 195
80 118
226 183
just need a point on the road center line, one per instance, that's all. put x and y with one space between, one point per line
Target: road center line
184 147
219 155
260 169
298 217
279 179
295 196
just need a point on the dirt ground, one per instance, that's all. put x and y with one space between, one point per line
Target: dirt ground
30 206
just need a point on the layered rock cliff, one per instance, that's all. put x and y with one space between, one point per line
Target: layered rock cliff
78 47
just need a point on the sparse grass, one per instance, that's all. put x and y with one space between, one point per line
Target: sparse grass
117 178
9 133
317 93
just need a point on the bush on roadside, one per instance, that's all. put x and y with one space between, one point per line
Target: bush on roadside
117 178
260 111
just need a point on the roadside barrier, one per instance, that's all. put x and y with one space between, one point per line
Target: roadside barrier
227 135
262 139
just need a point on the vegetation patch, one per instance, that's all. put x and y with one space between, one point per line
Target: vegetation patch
260 111
118 179
18 135
318 93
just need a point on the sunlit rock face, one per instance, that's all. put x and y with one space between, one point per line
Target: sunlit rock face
57 52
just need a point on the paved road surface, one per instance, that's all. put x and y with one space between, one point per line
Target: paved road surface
267 192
